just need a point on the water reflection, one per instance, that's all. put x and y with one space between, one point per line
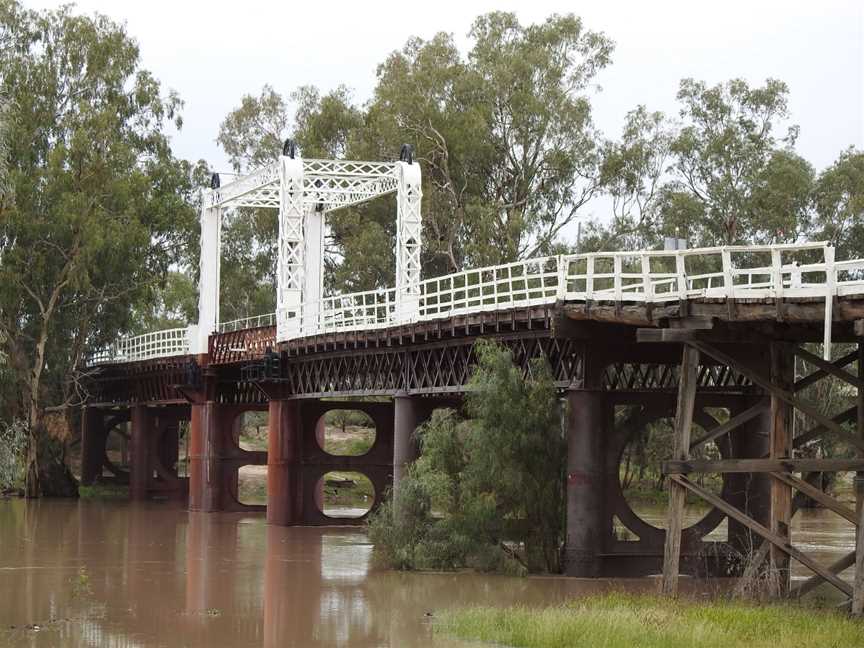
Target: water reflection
95 573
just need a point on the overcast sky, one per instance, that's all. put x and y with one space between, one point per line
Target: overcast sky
214 52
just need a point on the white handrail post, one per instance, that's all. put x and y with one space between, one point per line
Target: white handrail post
777 273
409 226
589 277
290 259
616 279
647 287
680 271
795 279
561 265
208 277
830 289
728 278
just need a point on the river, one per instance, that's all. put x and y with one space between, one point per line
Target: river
116 575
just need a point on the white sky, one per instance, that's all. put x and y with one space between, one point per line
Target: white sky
213 52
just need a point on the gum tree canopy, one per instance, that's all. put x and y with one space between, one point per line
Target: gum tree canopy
97 208
505 135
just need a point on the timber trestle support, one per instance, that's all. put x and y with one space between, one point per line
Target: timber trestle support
795 425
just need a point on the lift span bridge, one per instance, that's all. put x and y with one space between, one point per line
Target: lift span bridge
702 336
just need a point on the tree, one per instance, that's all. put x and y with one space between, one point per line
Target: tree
726 159
496 478
838 197
98 211
505 134
632 174
5 128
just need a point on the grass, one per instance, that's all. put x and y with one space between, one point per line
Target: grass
641 621
103 491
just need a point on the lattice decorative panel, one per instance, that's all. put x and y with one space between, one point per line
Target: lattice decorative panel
622 376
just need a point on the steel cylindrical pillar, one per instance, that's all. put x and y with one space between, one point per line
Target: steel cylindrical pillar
751 492
93 435
139 465
283 463
405 450
205 476
585 493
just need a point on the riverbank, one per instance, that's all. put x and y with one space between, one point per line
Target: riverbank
641 621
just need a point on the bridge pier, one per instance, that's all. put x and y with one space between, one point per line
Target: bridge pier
284 495
215 457
139 466
585 479
405 446
93 437
750 492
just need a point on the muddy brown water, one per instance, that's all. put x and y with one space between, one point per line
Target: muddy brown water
113 574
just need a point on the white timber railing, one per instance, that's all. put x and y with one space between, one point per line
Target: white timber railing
256 321
160 344
731 272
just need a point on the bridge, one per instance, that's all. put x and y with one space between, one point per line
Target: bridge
706 337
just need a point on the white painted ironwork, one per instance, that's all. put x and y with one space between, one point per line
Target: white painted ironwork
161 344
330 185
732 272
352 312
208 277
304 191
409 226
256 321
290 262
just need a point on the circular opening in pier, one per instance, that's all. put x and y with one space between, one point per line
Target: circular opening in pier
345 433
251 431
641 478
252 485
346 494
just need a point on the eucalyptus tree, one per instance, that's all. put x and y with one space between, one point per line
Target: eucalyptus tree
838 199
504 132
633 172
98 208
736 176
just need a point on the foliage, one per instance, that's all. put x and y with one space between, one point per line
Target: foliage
5 128
632 172
99 208
505 136
721 176
13 446
627 620
494 480
839 203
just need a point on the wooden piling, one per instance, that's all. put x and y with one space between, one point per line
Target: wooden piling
780 441
680 451
858 583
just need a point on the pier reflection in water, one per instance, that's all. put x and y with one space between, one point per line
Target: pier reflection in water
93 573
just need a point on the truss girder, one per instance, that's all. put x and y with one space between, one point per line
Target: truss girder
290 262
327 185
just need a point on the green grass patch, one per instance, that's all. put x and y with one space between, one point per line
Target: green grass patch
639 621
103 491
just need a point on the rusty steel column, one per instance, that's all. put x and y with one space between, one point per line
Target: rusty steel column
405 448
93 436
751 492
139 462
205 449
169 448
283 463
585 494
320 436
